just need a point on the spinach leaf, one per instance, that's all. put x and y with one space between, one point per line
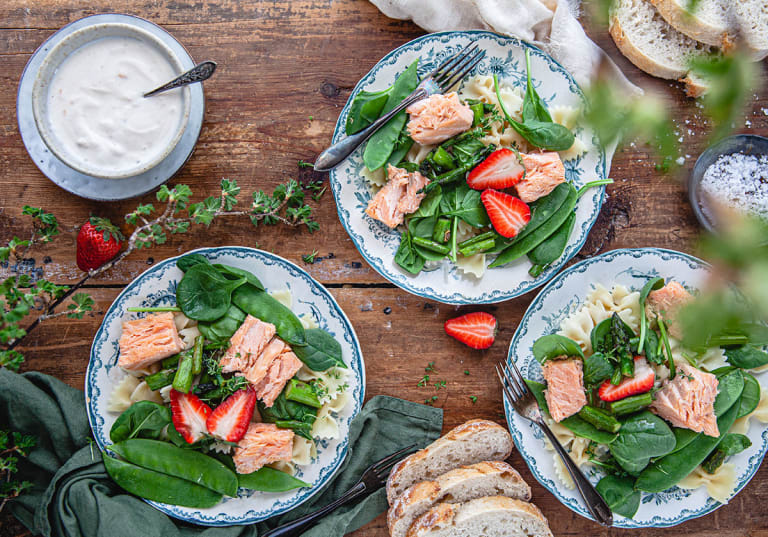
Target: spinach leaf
731 444
264 306
642 436
423 227
551 346
203 294
464 203
365 109
551 248
402 146
268 479
321 352
603 335
469 152
234 273
407 257
382 143
750 396
290 415
653 352
576 424
597 368
683 437
651 285
143 419
430 204
730 384
620 495
533 107
746 357
224 327
190 260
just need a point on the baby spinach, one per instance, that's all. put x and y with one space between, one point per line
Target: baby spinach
203 294
729 387
597 368
321 351
143 419
750 396
641 437
402 146
603 335
234 273
290 415
188 261
430 204
224 327
746 357
620 495
264 306
554 345
366 108
268 479
683 437
464 203
407 257
382 143
423 228
551 248
651 285
533 106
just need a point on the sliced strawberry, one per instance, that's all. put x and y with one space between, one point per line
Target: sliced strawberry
189 414
508 214
640 383
502 169
477 329
231 418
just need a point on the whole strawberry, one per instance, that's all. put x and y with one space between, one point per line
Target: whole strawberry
98 241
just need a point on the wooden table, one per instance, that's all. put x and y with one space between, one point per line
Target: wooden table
285 71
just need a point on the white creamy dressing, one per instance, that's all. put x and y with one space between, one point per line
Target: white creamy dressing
96 108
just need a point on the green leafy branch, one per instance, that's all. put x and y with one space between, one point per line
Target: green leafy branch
12 446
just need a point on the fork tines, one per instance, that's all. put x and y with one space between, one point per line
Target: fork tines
381 468
512 381
455 68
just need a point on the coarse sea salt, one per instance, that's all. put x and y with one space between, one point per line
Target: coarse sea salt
740 181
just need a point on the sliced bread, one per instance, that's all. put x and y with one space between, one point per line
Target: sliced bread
752 18
707 24
471 442
490 478
648 41
492 516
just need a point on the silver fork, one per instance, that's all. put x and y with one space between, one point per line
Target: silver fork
374 477
440 80
525 404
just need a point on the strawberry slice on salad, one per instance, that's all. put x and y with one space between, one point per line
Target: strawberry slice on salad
189 415
501 169
476 330
507 213
231 418
640 383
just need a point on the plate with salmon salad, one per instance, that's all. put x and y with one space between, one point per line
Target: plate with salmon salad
222 384
477 195
667 433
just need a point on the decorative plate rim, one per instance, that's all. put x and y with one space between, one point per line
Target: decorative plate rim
358 366
407 282
536 304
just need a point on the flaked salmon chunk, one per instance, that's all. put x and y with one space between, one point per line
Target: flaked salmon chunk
400 196
437 118
666 303
262 444
565 387
280 371
688 400
147 340
246 344
543 172
259 368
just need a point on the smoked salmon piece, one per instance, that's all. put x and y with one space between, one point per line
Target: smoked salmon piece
437 118
280 371
565 387
256 372
666 303
262 444
147 340
688 400
246 344
400 196
543 172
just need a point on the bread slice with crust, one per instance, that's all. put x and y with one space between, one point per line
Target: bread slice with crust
489 478
492 516
708 23
648 41
469 443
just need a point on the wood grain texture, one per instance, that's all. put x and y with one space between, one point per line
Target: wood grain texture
281 62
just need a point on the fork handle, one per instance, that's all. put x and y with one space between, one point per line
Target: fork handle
594 502
338 152
300 525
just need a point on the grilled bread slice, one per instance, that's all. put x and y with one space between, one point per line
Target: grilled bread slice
490 478
469 443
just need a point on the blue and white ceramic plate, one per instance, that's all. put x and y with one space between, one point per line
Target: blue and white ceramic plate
157 286
505 56
559 299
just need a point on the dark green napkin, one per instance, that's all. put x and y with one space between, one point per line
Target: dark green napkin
73 496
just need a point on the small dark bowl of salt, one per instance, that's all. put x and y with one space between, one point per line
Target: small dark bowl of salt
731 175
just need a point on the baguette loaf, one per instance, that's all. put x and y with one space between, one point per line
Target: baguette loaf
492 516
469 443
491 478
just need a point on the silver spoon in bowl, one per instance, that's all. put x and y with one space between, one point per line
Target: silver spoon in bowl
201 71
